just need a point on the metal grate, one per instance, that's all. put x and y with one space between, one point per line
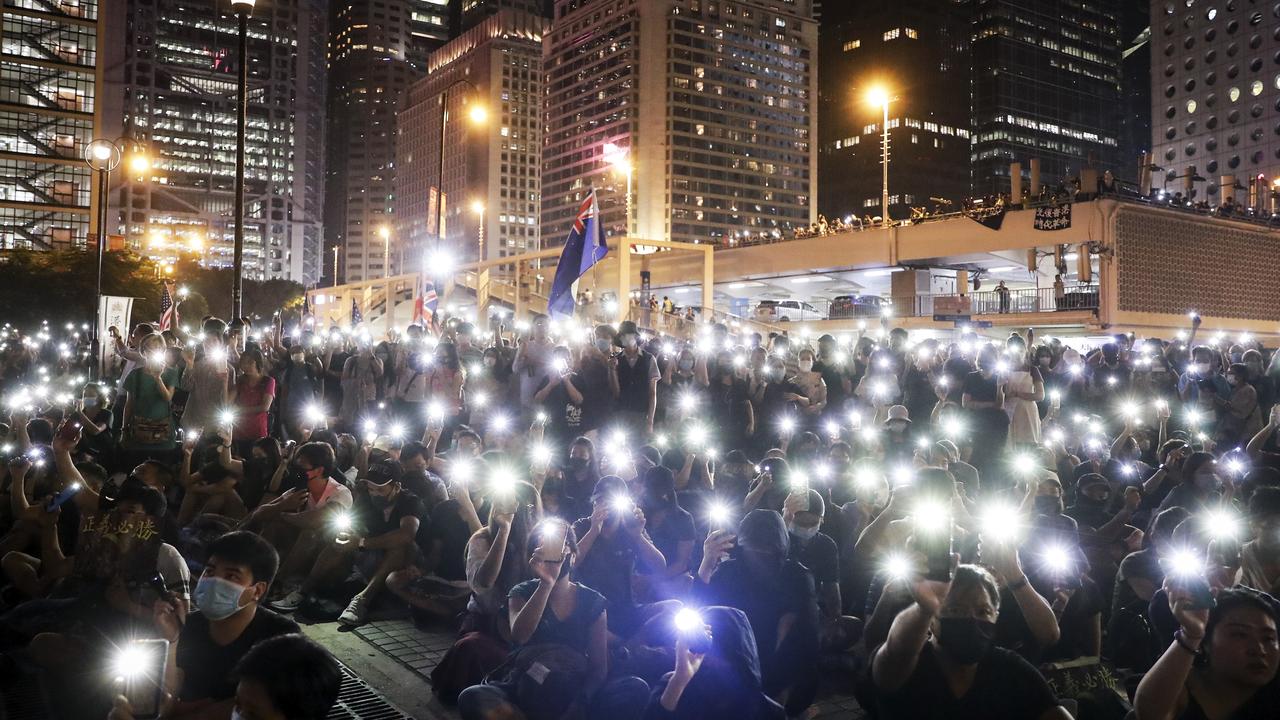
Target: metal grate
358 701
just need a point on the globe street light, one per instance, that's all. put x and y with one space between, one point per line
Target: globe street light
880 96
102 156
242 10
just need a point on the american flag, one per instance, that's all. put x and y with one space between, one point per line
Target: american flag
424 309
168 312
356 317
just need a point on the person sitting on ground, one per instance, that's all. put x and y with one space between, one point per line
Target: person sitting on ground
612 540
939 662
552 609
206 645
297 522
378 537
718 679
784 619
1222 662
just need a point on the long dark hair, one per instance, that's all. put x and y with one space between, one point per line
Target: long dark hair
450 354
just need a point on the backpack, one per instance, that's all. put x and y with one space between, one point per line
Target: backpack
543 680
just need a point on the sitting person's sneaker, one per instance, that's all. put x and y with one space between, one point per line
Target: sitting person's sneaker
356 613
289 602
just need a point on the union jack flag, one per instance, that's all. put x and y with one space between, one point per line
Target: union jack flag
424 308
168 311
356 317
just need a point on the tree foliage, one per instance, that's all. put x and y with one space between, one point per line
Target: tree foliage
60 287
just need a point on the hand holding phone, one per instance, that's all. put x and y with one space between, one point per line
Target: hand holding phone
140 667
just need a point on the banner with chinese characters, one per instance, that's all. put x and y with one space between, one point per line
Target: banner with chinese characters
119 544
113 312
1053 218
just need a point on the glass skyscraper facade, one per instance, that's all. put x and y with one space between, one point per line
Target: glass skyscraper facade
711 105
919 53
176 75
491 165
377 49
48 103
1045 84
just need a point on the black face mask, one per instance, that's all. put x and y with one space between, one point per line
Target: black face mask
1090 502
578 464
1048 505
966 640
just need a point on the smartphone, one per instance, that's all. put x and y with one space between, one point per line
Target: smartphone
67 430
61 498
937 548
141 671
553 541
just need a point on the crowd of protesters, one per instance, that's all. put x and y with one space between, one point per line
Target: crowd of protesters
620 524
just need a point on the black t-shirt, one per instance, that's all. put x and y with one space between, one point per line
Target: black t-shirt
676 527
607 569
820 555
979 388
592 381
375 522
206 666
791 590
1005 686
449 529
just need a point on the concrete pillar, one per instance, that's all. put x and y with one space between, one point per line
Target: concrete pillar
1084 265
624 278
1089 180
1144 175
1015 183
708 282
1188 182
1035 177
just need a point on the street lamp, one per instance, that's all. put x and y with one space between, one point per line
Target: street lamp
102 156
384 232
880 96
478 115
620 159
242 10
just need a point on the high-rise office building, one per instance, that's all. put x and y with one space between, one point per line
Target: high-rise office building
917 53
49 95
1215 93
174 69
474 12
377 48
710 104
471 127
1045 84
1135 85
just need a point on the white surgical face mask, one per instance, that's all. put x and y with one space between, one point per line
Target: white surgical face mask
805 534
806 365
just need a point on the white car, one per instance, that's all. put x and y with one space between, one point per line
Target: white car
786 311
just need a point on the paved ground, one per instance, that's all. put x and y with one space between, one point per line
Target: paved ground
396 658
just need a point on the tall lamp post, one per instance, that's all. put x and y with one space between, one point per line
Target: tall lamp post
478 115
477 207
103 156
384 232
620 159
242 9
881 97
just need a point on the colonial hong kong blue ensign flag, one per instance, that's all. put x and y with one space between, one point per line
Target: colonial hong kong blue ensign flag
584 247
